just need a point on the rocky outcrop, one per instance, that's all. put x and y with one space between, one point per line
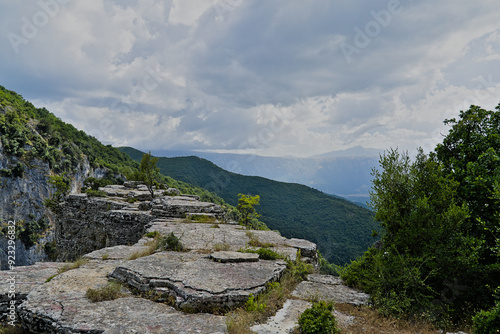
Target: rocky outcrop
198 283
60 306
86 224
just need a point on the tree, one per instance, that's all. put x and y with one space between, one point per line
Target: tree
426 263
246 207
149 172
62 185
470 154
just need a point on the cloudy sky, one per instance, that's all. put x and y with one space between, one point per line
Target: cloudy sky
270 77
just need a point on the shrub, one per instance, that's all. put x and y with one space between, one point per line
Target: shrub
487 322
171 242
318 319
153 234
252 306
95 193
110 291
221 247
299 269
264 253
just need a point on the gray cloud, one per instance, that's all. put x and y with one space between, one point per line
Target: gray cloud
271 77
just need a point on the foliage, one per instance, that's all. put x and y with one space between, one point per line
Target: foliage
95 193
29 232
318 319
264 253
471 155
62 187
149 172
50 249
252 306
92 183
341 229
327 268
424 249
30 133
487 322
110 291
171 242
298 269
153 234
438 258
246 207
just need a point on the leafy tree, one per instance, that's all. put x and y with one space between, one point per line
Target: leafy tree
246 207
470 154
419 269
149 172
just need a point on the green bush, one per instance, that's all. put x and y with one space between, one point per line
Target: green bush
253 306
318 319
487 322
299 269
95 193
153 234
171 242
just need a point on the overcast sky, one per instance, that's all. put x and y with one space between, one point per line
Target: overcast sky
269 77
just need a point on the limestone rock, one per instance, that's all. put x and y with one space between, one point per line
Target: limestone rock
24 279
198 283
60 306
180 206
234 257
329 288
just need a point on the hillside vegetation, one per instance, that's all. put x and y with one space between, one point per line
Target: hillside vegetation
341 229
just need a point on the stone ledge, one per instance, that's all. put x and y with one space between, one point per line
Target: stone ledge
234 257
198 283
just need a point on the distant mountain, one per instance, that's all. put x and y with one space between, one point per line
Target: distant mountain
341 229
343 173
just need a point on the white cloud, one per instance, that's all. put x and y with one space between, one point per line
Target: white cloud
266 77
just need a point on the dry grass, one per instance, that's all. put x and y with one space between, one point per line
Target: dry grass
152 247
255 242
110 291
368 320
70 266
221 247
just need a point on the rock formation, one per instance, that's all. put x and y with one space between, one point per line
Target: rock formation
162 291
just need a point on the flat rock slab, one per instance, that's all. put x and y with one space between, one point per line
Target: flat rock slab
234 257
285 320
115 252
198 283
24 279
324 287
60 306
206 237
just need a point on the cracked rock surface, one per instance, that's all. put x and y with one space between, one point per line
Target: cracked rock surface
60 306
197 282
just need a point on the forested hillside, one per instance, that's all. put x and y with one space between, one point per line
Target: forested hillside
341 229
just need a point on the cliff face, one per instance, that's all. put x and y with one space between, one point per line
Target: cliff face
22 200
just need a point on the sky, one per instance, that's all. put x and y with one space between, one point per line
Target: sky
267 77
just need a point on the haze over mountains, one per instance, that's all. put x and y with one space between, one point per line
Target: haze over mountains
343 173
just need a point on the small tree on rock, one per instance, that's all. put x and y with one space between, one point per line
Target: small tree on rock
149 172
246 207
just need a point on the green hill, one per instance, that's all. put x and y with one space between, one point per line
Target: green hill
28 133
341 229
